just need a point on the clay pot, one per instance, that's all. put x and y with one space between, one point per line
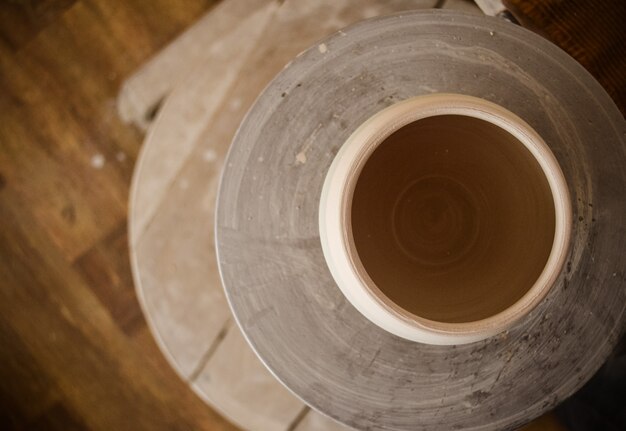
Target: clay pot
444 219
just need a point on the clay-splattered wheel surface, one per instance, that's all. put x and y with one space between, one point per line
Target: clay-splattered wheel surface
270 256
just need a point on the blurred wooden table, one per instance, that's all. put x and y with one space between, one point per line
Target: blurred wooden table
75 352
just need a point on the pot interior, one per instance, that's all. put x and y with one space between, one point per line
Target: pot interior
452 218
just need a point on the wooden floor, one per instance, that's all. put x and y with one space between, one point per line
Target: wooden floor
75 352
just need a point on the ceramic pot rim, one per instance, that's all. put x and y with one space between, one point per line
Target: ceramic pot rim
336 230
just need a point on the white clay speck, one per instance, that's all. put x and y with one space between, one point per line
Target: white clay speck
301 158
97 161
209 155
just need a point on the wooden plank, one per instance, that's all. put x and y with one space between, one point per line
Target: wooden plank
142 92
314 421
21 21
491 7
25 392
70 70
58 417
173 253
77 346
179 281
467 6
66 362
235 381
203 91
106 269
68 208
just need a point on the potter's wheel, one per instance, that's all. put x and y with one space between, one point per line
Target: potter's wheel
275 275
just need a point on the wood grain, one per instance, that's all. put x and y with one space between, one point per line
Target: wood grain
74 348
142 93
